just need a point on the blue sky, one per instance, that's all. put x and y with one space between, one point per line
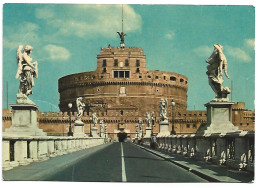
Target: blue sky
175 38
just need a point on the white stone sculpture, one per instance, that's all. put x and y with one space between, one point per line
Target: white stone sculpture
27 71
163 109
94 119
101 125
148 118
80 109
217 63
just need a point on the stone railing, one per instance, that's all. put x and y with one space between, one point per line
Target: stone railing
23 150
234 150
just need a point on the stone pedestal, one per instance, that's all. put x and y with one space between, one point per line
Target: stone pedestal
148 132
218 119
79 129
164 128
24 121
94 132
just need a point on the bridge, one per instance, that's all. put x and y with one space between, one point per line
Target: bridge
96 159
218 152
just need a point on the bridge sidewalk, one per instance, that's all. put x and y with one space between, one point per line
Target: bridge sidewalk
208 171
41 170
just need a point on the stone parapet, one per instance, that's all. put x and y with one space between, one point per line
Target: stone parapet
24 150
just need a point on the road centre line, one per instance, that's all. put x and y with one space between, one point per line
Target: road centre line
123 164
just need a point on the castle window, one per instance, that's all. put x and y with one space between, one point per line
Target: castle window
104 62
181 80
93 77
122 112
140 76
164 77
98 89
172 78
194 126
137 70
115 74
126 74
247 124
121 74
138 63
126 63
104 70
101 76
157 90
156 77
240 124
148 76
188 126
115 62
186 82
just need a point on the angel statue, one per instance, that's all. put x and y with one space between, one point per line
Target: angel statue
26 69
122 38
94 119
80 108
217 63
163 109
148 118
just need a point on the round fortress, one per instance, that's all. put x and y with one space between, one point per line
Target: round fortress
122 88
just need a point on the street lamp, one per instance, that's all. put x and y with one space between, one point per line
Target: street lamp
70 133
141 127
173 104
90 132
105 130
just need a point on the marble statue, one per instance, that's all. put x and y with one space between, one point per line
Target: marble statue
101 125
26 72
94 119
217 63
148 118
122 38
80 109
140 121
26 69
163 109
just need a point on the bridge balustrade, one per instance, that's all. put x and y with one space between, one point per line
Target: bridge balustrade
24 150
234 150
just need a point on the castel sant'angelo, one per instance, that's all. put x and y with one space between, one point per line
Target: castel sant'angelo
121 91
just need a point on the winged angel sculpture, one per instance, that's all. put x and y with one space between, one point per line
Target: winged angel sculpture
26 72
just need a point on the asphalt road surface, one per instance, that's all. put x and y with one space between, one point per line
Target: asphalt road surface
123 162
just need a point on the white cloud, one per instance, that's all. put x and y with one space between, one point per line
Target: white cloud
88 21
170 35
21 34
250 43
238 54
203 51
56 52
43 13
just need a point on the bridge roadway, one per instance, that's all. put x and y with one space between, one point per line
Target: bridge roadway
115 162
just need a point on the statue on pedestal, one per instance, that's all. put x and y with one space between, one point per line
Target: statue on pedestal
80 109
217 63
94 119
101 125
26 70
163 109
148 118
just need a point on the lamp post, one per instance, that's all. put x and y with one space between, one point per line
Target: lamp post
136 130
70 133
173 104
105 130
90 132
141 127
